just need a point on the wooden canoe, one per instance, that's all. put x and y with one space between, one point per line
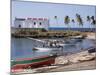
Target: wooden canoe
32 62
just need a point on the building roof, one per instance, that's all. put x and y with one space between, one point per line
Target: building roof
20 19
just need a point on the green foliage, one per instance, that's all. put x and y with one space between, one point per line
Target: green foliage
79 19
48 34
93 20
66 20
88 18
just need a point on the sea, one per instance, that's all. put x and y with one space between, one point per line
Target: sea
22 47
74 29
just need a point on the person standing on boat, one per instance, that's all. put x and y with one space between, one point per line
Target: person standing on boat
51 44
44 44
48 43
55 42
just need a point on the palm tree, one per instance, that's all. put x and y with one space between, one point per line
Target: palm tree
67 20
56 18
93 21
73 21
88 18
79 20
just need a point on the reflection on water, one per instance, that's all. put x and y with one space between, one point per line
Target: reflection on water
22 47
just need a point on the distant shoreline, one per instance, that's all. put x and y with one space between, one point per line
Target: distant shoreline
22 33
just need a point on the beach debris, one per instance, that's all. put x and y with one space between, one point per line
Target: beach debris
61 60
87 58
84 57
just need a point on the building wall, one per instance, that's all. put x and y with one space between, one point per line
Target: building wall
31 23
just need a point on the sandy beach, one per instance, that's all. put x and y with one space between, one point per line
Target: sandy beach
86 65
90 35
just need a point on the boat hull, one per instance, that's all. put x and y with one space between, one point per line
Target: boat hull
44 49
33 63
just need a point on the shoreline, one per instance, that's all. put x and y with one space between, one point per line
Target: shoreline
67 63
69 34
91 35
46 34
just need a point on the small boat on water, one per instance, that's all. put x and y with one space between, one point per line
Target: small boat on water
48 45
51 44
54 43
28 63
77 37
46 48
92 50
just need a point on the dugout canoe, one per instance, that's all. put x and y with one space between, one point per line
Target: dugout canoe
27 63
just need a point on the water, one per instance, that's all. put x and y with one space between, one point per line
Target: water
22 47
75 29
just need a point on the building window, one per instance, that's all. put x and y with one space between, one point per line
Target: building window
40 23
19 26
34 23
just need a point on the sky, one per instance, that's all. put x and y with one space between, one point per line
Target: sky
24 9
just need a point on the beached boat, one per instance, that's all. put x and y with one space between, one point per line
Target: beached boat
27 63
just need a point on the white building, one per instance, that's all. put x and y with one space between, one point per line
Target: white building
31 23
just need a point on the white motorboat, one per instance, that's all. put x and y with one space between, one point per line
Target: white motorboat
46 48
